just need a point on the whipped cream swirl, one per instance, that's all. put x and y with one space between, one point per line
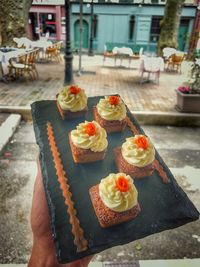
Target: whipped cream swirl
70 101
115 199
135 155
111 112
96 143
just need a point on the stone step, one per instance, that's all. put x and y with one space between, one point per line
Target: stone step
7 129
3 117
144 117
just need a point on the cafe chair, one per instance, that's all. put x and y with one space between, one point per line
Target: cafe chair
107 54
152 66
45 37
24 65
175 61
54 52
167 52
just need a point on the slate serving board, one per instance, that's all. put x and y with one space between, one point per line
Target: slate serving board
164 206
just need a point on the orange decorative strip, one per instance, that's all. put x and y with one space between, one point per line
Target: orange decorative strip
131 126
161 171
157 164
79 240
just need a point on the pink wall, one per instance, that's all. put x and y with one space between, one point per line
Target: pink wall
48 9
43 9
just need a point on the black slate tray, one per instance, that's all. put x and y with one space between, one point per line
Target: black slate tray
164 206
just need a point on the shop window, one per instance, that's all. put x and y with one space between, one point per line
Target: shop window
131 27
95 23
48 24
155 29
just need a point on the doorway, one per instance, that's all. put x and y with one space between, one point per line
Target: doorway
48 24
34 29
182 35
85 36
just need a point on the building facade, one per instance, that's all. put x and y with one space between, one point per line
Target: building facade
115 21
195 36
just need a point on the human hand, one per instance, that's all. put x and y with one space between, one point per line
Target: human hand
43 250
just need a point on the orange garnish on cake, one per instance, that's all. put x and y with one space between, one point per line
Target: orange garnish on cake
114 100
122 184
142 142
90 129
74 90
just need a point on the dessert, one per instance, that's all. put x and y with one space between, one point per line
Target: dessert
88 142
72 102
110 113
136 156
115 199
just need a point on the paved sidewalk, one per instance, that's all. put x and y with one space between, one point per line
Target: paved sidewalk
98 80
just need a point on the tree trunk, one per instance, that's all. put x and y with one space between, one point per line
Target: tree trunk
13 19
170 25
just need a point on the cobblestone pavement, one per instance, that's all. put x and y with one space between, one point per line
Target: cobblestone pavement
97 80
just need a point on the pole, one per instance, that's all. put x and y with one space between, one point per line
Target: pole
81 38
90 52
68 79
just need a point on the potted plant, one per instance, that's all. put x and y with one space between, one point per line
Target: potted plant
188 96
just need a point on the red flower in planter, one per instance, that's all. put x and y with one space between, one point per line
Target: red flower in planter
184 89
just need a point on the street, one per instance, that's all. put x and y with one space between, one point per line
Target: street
180 149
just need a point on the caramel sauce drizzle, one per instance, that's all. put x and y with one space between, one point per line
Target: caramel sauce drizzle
161 171
157 164
79 240
131 126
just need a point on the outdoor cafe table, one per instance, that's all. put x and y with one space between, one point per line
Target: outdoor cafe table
42 45
29 44
122 53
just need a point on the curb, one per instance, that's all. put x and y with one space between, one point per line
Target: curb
144 117
24 111
8 128
167 118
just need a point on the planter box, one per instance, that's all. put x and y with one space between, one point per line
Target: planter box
188 103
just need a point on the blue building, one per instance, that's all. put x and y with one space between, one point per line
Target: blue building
128 22
116 21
